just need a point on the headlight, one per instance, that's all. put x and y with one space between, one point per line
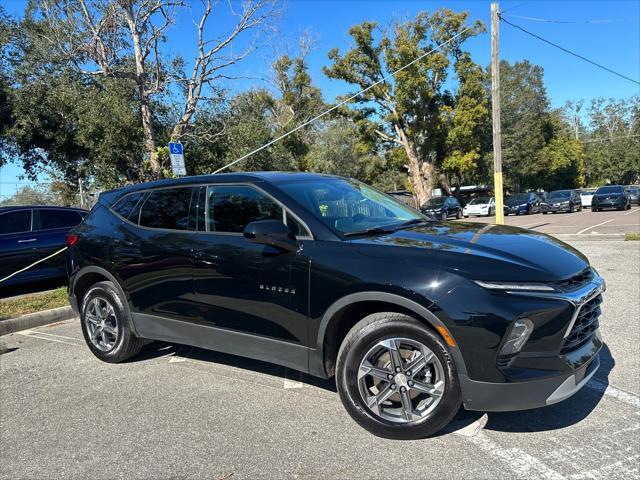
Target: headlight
518 286
518 336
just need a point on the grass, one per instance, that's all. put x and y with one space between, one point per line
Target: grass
33 303
632 236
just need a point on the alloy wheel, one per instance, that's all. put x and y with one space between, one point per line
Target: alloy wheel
102 324
401 380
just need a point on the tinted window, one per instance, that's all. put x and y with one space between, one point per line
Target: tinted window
15 222
296 227
126 206
58 219
230 208
610 189
167 208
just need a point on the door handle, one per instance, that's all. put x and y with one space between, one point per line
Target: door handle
205 257
27 240
123 242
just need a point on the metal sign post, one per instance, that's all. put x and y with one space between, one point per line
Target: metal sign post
177 159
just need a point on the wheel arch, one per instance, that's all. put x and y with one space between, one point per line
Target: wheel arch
90 275
350 309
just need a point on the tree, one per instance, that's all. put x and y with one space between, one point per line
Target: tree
562 158
123 39
524 122
468 130
407 110
613 143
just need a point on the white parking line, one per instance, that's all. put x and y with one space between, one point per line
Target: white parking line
633 211
594 226
521 464
38 335
611 391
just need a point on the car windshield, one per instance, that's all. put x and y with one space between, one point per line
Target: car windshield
523 197
480 201
610 189
434 202
350 206
560 194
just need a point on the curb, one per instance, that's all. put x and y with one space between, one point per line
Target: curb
37 319
574 237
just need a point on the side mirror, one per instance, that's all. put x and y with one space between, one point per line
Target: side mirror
271 232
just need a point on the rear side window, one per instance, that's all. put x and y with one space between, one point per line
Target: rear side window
15 222
50 219
167 208
126 206
231 207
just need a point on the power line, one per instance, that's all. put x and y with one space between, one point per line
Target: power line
547 20
569 51
317 117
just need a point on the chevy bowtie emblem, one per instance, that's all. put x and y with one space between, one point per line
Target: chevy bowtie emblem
276 289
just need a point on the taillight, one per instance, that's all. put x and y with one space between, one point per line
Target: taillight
72 240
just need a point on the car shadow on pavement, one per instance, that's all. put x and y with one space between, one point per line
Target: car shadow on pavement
560 415
163 349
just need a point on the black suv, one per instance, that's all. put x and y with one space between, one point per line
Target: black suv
441 208
522 203
329 276
611 196
562 201
31 233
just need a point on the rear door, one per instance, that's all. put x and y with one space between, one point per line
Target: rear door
152 250
50 228
17 248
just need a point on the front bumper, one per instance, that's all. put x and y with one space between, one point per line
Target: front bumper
505 397
515 210
535 379
556 208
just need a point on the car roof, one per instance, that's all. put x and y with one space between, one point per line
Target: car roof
40 207
269 177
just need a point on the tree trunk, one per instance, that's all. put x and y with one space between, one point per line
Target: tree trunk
146 110
421 175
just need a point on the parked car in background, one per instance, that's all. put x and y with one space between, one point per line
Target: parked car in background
611 196
331 277
586 195
31 233
561 201
441 208
634 195
481 206
522 203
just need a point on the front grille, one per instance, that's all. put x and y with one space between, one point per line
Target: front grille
584 327
577 280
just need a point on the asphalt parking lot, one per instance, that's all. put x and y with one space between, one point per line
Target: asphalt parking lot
182 412
585 222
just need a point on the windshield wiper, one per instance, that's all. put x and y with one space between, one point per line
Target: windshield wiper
415 221
370 231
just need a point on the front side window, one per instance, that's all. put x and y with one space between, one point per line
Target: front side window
15 222
50 219
167 209
229 208
126 206
348 205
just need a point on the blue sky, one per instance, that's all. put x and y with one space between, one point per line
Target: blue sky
614 43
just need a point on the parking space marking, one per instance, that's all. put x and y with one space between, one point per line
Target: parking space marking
618 468
518 461
48 337
289 382
614 392
594 226
632 211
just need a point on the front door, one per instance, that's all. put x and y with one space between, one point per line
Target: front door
242 286
17 244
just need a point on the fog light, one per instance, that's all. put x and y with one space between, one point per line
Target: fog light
518 336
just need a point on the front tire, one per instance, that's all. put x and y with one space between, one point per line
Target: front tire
105 325
396 378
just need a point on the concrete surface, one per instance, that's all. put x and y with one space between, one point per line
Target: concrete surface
583 223
182 412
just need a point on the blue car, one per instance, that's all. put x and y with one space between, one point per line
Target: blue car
30 233
522 204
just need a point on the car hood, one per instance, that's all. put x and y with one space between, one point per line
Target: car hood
482 252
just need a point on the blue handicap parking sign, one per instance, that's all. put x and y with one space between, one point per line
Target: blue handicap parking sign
175 148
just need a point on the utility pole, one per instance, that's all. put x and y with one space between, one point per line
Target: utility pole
495 113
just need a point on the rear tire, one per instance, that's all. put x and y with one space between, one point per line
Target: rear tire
392 402
106 324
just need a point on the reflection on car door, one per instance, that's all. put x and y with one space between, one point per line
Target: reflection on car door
242 286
